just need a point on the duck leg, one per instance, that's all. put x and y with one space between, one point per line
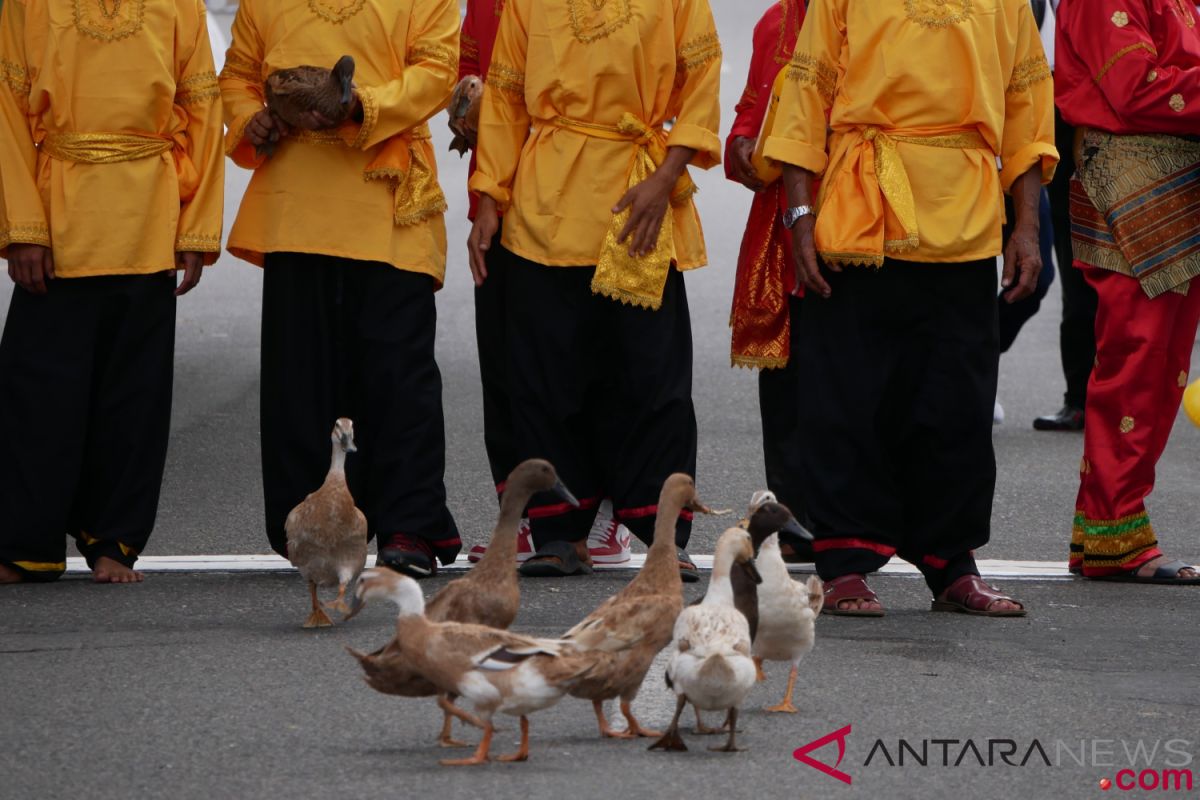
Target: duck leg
607 732
701 728
522 753
339 602
731 745
631 724
671 740
449 712
318 618
480 755
759 675
786 706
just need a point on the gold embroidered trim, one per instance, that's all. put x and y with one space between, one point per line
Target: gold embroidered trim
333 12
782 54
937 13
852 259
197 243
1127 424
1028 72
699 51
197 89
596 19
812 71
237 134
506 79
1124 51
1120 19
431 52
25 234
1176 103
109 26
370 109
242 68
16 77
468 47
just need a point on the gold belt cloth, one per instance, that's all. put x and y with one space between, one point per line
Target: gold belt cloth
635 280
877 173
405 163
105 148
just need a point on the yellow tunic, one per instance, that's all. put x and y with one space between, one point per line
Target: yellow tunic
312 195
139 73
560 66
921 97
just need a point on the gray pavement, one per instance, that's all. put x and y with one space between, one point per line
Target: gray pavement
194 686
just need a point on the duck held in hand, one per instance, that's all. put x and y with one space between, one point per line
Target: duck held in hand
311 97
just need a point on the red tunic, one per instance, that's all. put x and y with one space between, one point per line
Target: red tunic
774 41
1129 66
479 28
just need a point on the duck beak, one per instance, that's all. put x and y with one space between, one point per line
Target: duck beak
565 493
794 528
356 605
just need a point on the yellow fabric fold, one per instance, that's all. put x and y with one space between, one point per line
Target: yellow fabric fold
867 205
635 280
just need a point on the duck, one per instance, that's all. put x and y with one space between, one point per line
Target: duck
710 663
295 91
327 534
787 616
494 670
464 113
487 595
636 623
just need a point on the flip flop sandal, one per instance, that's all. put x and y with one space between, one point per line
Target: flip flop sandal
1166 575
970 595
849 587
688 573
554 560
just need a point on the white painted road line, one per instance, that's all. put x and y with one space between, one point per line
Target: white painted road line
991 568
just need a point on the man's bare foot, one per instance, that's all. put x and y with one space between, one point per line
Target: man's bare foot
1147 570
109 571
10 575
859 605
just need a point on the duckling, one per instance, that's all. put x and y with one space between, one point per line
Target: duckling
494 670
327 534
639 619
293 92
487 595
464 113
787 616
710 664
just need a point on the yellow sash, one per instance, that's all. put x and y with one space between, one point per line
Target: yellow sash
634 280
116 148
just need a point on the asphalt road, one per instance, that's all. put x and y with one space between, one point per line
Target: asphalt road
194 686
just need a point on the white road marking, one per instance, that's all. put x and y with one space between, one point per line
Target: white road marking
990 568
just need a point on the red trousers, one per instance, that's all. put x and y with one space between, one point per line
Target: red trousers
1143 350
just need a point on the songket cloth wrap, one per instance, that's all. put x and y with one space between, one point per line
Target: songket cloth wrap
1135 205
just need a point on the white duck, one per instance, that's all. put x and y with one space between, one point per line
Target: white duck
787 615
327 534
710 664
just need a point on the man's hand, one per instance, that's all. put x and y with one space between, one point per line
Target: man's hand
30 266
647 203
192 265
1022 262
487 222
743 171
804 254
265 128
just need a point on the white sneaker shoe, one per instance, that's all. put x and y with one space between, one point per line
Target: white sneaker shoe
524 545
998 414
608 541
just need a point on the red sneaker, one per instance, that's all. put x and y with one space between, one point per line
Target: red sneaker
524 545
608 541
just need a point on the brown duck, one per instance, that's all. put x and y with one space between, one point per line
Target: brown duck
292 92
487 595
464 113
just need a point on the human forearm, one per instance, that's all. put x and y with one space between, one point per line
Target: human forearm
797 183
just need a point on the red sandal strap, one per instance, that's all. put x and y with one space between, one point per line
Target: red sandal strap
971 591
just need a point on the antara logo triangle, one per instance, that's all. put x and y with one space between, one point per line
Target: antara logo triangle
801 754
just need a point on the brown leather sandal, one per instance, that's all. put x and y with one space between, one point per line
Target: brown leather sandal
849 587
971 595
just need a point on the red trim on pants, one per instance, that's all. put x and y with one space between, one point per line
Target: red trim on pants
647 511
559 509
849 543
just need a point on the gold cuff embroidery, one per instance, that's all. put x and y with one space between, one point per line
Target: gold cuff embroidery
937 13
16 77
237 134
1028 72
109 26
1124 51
25 234
197 243
699 51
431 52
812 71
242 68
370 108
504 78
197 89
336 12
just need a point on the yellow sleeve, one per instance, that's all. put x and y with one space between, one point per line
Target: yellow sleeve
241 84
198 99
22 216
504 117
799 133
1028 136
696 103
423 88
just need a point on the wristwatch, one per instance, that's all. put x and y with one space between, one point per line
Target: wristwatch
793 215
